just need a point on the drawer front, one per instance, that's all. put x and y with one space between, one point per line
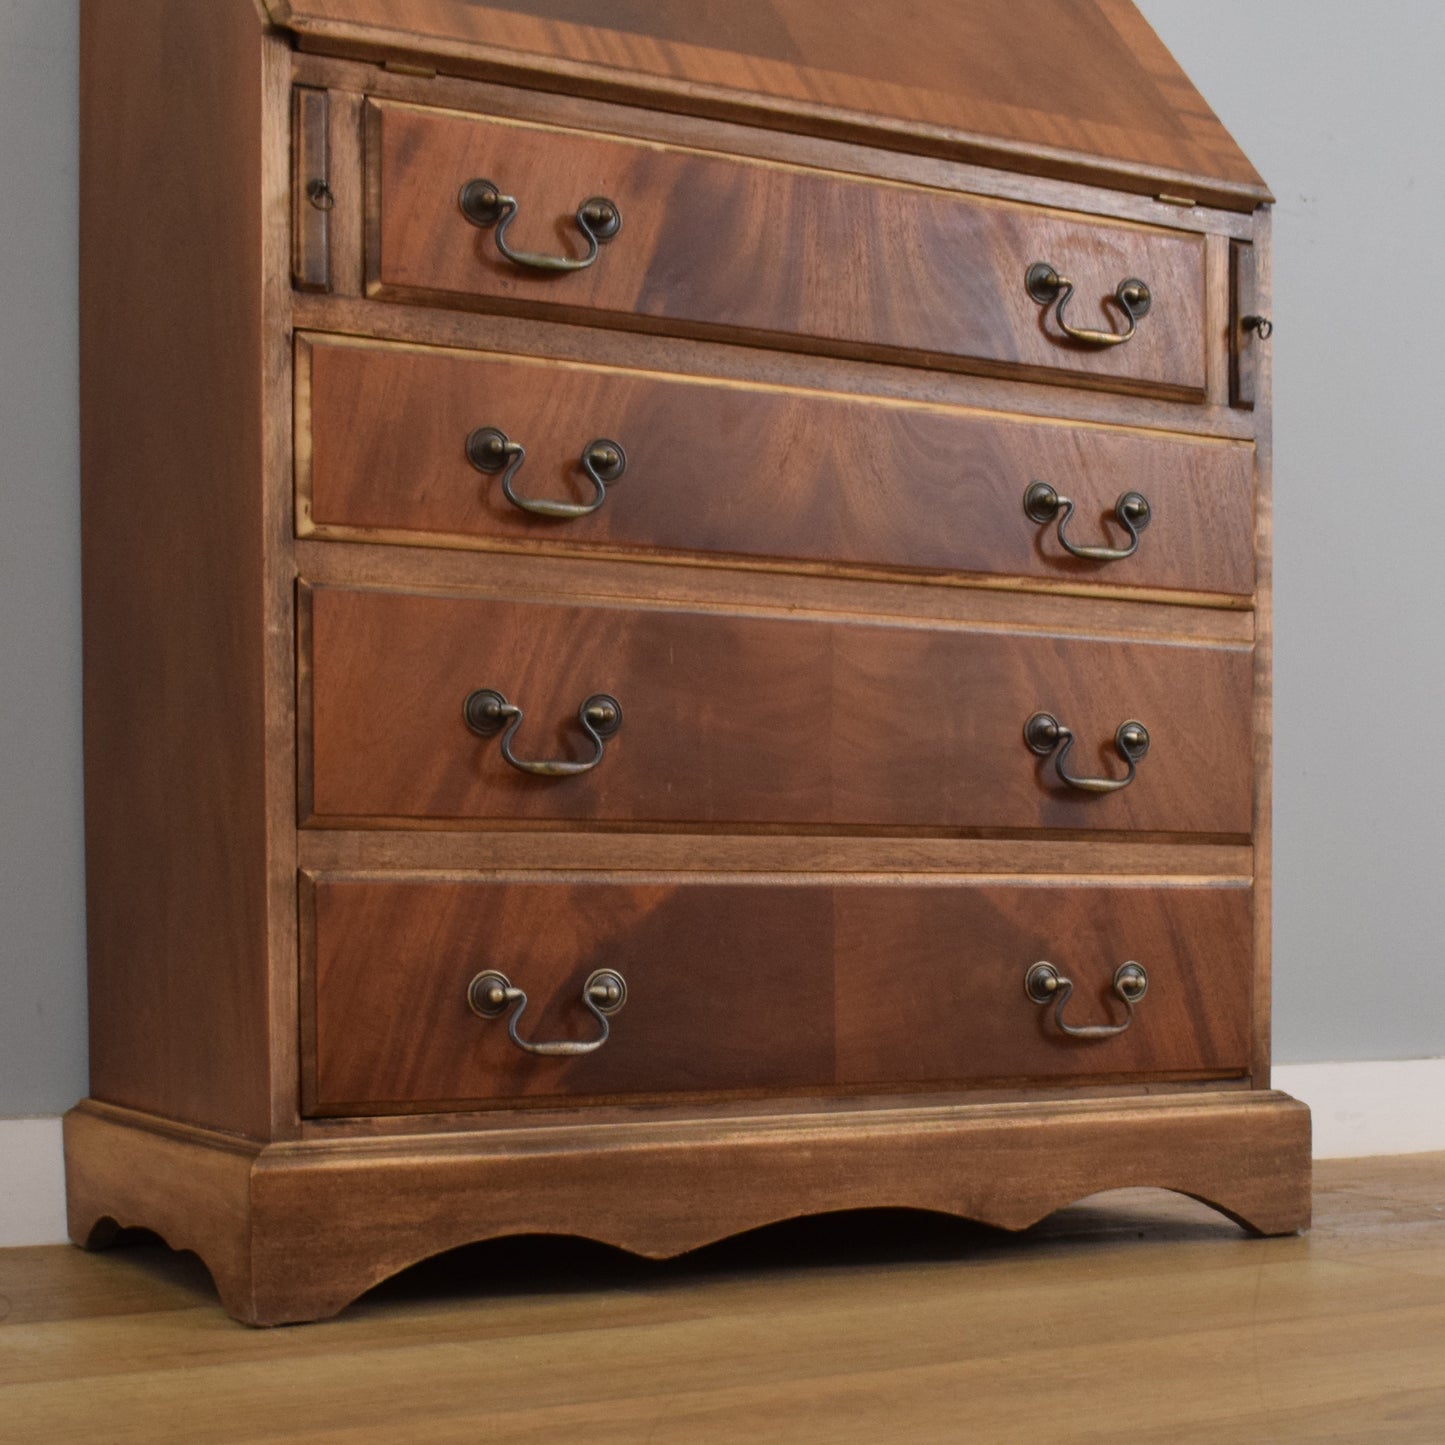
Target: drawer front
774 253
746 985
753 471
752 719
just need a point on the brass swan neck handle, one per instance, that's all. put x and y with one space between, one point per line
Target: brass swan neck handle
1045 985
1043 504
487 712
490 994
1049 288
1044 733
484 205
491 450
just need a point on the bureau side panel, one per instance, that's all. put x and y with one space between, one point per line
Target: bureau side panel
1264 645
171 434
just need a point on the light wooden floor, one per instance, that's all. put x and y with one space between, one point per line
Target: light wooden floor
1139 1317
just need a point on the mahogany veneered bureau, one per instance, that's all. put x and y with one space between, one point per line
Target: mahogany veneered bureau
676 627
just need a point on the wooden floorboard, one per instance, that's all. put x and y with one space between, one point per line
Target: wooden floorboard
1138 1316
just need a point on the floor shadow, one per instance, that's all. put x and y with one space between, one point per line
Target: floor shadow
532 1265
869 1239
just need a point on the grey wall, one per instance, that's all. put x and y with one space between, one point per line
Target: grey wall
1341 107
42 908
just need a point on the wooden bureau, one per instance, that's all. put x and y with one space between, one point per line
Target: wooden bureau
676 627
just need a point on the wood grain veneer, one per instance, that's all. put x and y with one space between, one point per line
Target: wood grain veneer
174 547
740 985
1052 856
296 1231
1263 656
755 720
351 82
1083 91
714 245
565 341
800 591
818 843
737 469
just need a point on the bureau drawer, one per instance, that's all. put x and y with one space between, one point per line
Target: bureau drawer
778 254
728 468
746 985
753 719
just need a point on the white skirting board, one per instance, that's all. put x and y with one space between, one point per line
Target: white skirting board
32 1182
1389 1106
1394 1106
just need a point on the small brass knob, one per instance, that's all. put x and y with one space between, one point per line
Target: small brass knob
607 989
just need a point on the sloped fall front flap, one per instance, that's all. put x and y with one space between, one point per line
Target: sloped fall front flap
1078 89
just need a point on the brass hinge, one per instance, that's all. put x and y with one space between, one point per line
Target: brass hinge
405 67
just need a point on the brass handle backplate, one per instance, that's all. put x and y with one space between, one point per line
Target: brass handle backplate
1045 984
487 712
484 205
492 450
1043 732
490 994
1132 511
1049 288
